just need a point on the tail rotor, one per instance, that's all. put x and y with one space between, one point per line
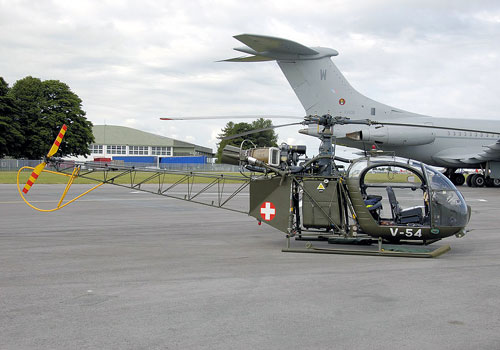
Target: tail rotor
39 168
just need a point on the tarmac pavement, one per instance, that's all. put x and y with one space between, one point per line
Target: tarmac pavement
126 270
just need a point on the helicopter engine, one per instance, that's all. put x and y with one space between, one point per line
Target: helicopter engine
285 157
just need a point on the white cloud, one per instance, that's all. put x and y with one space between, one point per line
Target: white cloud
488 16
132 62
131 122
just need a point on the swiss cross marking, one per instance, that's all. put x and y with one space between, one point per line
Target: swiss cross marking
267 211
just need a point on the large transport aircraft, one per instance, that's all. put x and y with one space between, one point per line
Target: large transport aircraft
322 89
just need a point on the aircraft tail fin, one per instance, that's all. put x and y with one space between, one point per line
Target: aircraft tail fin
317 82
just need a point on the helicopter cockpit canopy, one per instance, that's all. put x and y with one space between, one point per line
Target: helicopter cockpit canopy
425 197
448 204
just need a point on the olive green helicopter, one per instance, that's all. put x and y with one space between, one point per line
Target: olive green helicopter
322 198
377 198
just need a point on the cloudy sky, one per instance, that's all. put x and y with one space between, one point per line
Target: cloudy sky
132 62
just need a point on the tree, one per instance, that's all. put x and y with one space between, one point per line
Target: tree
11 138
43 107
267 138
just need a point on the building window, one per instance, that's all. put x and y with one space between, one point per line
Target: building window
138 150
114 149
95 149
158 151
161 151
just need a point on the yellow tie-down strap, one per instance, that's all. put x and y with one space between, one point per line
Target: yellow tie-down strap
72 178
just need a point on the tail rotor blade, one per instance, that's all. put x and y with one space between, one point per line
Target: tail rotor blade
34 175
39 168
57 142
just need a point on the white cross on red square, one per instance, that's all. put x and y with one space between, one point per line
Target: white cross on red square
267 211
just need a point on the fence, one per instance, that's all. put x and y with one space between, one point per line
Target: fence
15 164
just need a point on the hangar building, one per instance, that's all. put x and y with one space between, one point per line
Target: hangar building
132 145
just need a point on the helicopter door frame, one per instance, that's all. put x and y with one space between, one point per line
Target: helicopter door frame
428 190
423 186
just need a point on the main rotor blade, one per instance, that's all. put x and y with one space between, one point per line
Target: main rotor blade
254 116
434 127
254 131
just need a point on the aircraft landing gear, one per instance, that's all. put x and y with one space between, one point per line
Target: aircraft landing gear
468 180
479 180
456 179
489 182
476 180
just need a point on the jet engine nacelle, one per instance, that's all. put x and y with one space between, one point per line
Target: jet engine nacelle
394 135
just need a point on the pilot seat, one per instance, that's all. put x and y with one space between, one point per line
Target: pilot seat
374 205
403 216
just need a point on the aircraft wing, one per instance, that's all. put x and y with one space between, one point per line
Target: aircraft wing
468 156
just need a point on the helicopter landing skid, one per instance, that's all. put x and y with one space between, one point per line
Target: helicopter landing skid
382 250
338 240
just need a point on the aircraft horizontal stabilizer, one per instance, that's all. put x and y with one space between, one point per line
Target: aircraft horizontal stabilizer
268 48
248 59
262 43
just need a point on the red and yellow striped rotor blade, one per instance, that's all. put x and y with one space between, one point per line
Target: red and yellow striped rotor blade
39 168
34 175
57 142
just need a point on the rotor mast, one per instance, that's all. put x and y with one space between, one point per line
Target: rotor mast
326 123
